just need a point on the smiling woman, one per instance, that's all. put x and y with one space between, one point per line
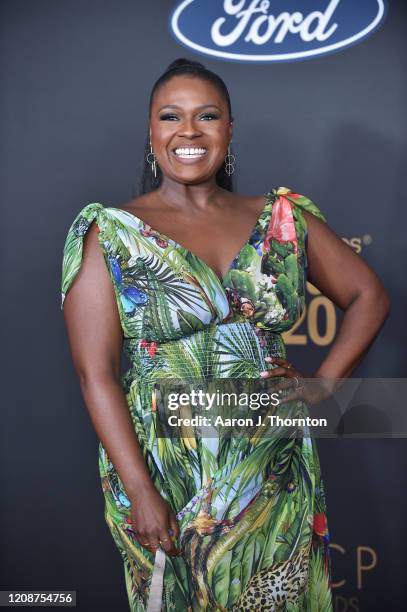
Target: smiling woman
196 283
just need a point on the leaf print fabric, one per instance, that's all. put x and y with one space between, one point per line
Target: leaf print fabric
252 512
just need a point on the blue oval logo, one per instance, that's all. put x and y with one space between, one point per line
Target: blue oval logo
278 31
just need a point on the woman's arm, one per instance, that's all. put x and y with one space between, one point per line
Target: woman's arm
346 279
95 338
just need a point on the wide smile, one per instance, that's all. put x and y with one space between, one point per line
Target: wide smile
188 155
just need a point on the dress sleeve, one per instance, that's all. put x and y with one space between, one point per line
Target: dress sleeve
299 203
73 247
302 202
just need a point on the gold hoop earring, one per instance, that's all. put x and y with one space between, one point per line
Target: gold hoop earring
151 159
229 162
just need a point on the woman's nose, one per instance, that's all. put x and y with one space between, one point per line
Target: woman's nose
190 128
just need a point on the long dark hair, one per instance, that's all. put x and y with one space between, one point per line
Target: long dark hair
182 66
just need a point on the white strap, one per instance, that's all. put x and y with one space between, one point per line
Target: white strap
157 582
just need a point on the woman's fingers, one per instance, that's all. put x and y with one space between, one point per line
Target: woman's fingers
283 368
167 544
174 531
311 390
279 371
291 379
173 534
162 539
157 525
174 527
143 538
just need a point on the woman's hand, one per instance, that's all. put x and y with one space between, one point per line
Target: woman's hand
310 389
154 522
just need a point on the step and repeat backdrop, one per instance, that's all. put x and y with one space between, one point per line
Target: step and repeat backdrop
319 97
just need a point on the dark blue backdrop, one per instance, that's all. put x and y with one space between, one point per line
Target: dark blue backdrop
76 77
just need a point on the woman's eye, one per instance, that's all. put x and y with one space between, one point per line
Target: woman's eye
212 115
171 116
167 116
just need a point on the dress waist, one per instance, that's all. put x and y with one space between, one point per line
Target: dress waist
222 350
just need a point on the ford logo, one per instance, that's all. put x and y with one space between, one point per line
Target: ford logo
274 31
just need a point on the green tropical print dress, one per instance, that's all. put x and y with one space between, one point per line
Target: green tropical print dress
251 511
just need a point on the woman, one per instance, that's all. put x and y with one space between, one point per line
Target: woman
195 281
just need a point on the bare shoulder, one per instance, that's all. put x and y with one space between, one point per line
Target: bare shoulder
137 205
323 238
248 203
319 229
313 220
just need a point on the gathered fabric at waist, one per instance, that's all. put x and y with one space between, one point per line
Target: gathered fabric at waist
229 350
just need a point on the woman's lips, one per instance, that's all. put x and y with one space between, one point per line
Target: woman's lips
184 157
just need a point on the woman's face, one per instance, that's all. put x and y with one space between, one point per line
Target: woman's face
189 113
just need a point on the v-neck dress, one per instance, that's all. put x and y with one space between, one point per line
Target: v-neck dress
251 511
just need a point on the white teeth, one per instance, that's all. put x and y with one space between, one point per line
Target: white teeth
190 152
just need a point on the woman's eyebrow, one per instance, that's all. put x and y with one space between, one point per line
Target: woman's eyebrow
198 107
